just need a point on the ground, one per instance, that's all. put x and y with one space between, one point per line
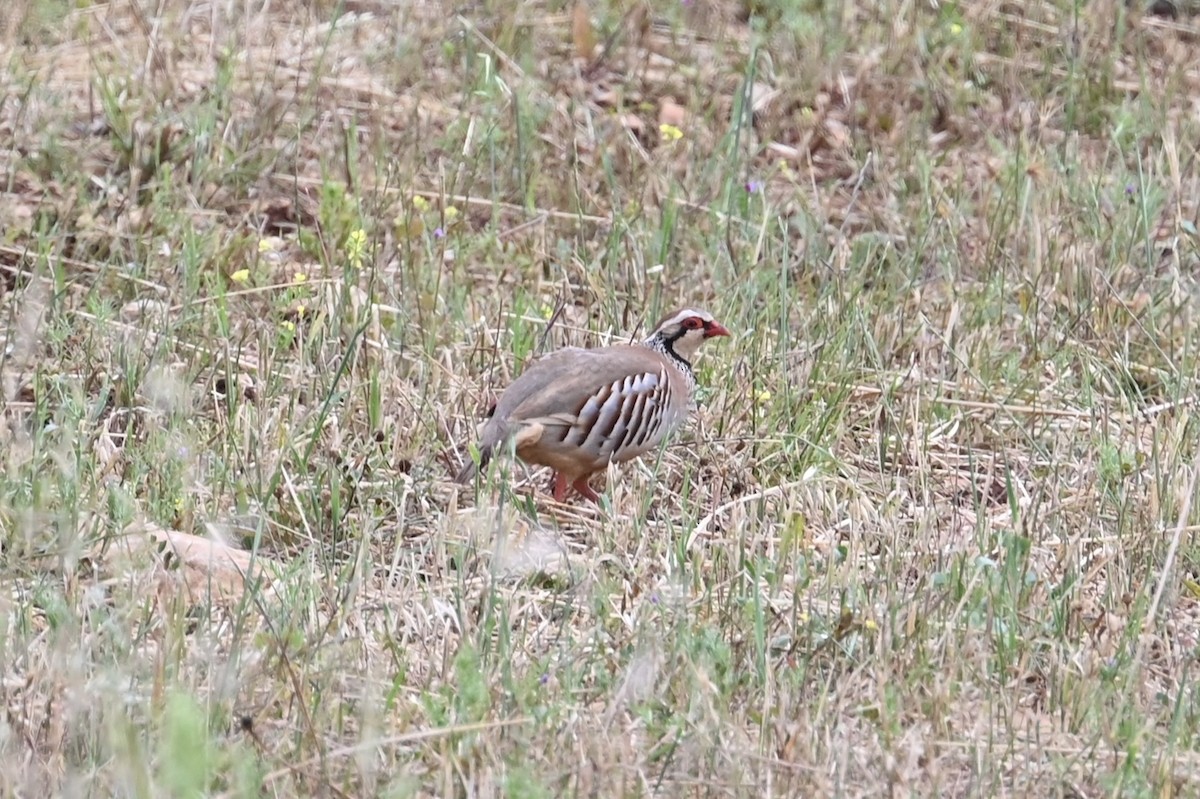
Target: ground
264 266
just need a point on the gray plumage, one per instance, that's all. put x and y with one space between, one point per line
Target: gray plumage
576 410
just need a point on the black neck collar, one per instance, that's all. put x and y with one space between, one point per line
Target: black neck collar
666 345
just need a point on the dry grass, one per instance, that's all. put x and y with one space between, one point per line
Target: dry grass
263 265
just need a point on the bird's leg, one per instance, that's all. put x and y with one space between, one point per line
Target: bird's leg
581 485
560 487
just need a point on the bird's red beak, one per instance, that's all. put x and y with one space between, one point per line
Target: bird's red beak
714 329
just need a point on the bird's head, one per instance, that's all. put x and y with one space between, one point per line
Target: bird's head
683 331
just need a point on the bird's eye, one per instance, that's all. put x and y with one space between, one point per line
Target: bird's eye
693 323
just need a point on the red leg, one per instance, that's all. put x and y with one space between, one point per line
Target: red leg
581 485
560 487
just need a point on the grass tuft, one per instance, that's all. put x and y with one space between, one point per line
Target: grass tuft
930 531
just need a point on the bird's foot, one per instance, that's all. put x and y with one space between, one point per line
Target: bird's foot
581 485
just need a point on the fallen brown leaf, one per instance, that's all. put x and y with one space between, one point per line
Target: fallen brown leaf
582 34
210 570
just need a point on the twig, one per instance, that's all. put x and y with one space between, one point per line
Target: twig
774 491
1166 573
483 201
88 266
858 184
245 292
512 231
1032 410
406 738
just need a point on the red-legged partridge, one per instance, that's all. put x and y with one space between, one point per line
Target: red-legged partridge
575 410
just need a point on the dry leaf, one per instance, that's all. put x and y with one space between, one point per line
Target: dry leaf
582 34
210 570
632 123
671 113
836 134
761 96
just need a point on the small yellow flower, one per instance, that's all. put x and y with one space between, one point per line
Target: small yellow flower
762 396
301 310
356 245
955 29
871 624
807 113
547 311
299 277
451 212
289 325
420 203
269 244
240 276
670 132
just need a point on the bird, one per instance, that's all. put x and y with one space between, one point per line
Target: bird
576 410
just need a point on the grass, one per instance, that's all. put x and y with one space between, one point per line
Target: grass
931 532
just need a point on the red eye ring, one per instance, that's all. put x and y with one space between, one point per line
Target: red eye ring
693 323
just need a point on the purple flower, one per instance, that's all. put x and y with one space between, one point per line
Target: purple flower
1130 189
439 233
754 186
